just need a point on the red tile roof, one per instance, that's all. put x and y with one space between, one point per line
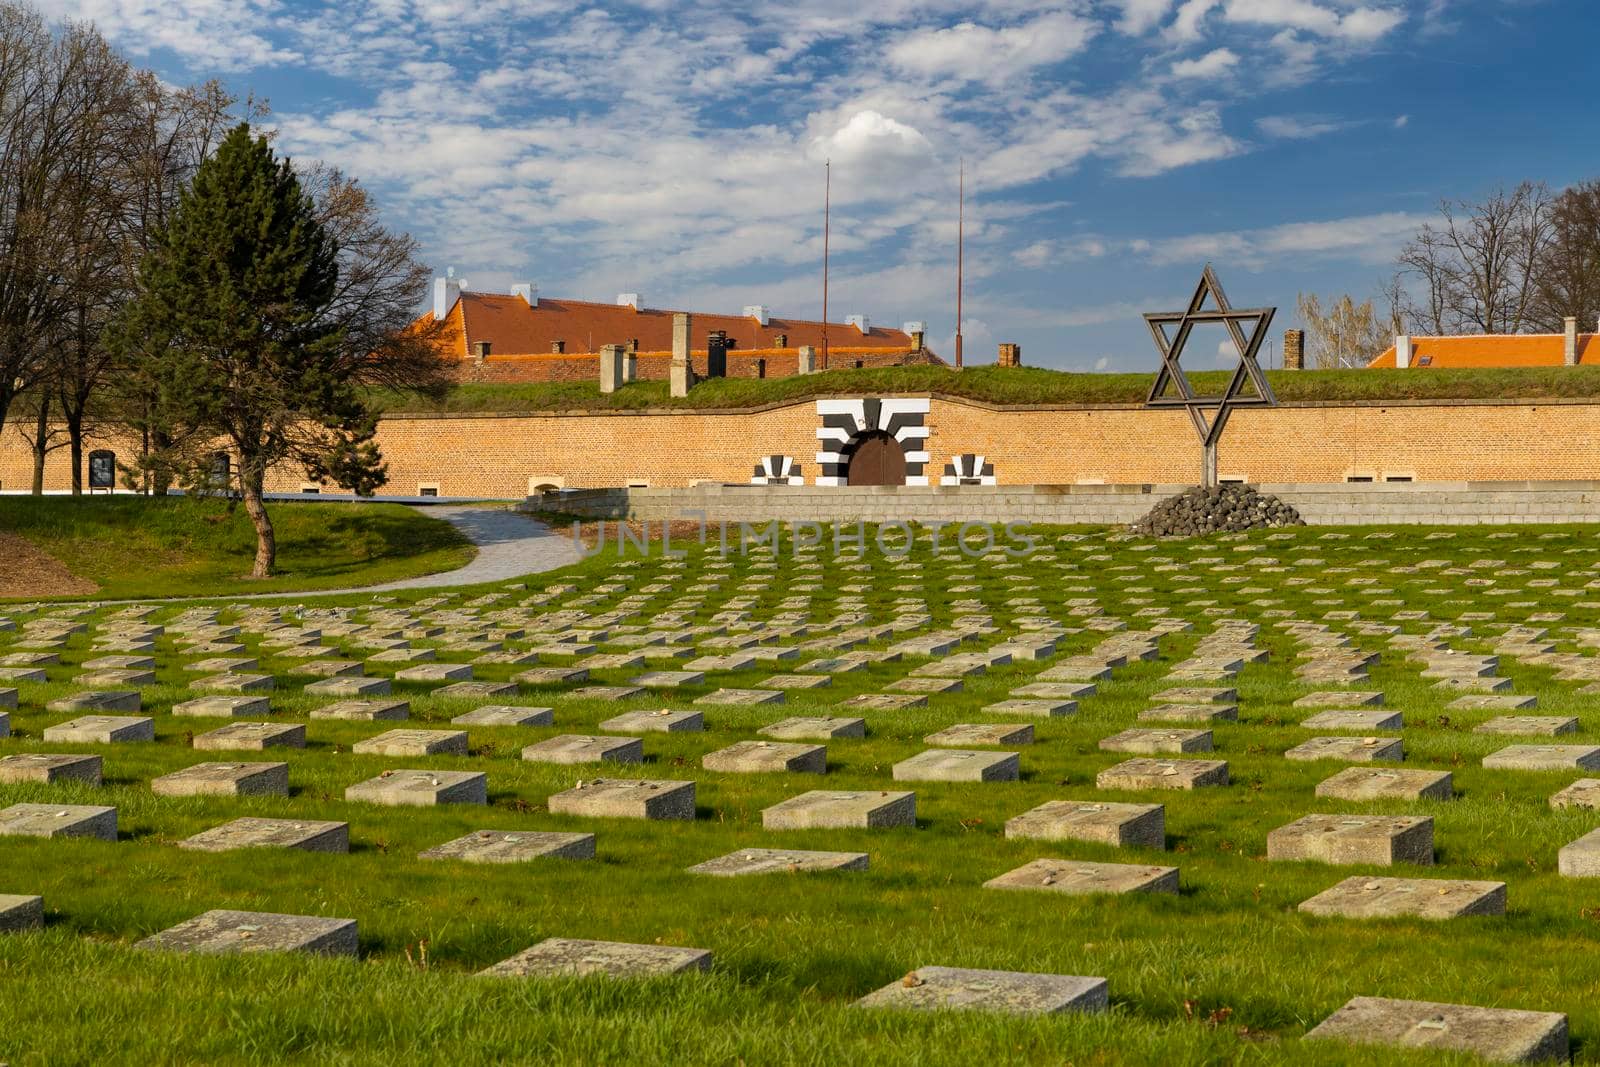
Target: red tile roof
512 328
1493 350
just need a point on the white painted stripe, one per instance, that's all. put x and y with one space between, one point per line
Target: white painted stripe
842 407
917 480
829 457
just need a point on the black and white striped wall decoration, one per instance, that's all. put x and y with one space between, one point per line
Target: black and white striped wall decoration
968 469
778 470
846 421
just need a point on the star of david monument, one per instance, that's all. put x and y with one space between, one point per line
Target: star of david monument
1247 328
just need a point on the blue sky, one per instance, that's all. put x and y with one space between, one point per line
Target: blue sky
1112 146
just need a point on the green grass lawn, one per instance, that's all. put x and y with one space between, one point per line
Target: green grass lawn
178 546
1020 386
1227 971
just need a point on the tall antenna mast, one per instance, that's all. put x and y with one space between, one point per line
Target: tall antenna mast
827 219
961 253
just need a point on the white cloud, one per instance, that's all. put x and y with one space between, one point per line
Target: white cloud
1372 239
972 52
1402 121
1300 127
1213 64
1141 16
1362 24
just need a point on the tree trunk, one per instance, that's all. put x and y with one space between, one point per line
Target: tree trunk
251 479
162 479
76 433
40 440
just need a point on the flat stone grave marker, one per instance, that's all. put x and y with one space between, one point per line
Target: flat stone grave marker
560 957
348 687
364 711
103 729
626 798
1584 793
1002 992
1076 877
798 681
669 679
299 834
110 679
1122 825
252 737
773 860
663 721
505 715
1144 773
1156 741
1341 699
742 698
983 733
757 757
222 932
224 780
236 683
1039 709
885 701
609 692
59 820
1581 858
838 809
475 690
820 728
1383 840
414 788
959 765
513 846
30 675
1544 758
435 672
1473 685
1496 1034
1543 725
102 701
1372 783
47 768
1056 690
927 686
573 748
223 707
1493 702
325 668
120 663
1353 719
1420 898
402 654
551 676
1197 713
413 743
1196 695
5 721
1349 749
20 912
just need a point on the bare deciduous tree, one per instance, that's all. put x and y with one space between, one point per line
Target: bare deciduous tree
1344 334
1567 280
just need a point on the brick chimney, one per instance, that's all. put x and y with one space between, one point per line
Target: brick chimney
1294 350
1010 354
917 330
1570 351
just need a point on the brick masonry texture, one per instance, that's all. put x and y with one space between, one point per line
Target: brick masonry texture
504 456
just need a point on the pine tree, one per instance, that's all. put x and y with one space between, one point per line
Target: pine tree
231 339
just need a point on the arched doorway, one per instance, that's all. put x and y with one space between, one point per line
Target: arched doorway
876 458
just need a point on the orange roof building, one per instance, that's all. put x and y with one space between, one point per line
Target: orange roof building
1492 350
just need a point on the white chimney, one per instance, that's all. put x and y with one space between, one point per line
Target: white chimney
1402 351
915 326
446 291
630 300
528 291
860 322
760 312
1570 351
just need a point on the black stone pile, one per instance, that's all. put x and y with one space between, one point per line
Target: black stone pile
1225 508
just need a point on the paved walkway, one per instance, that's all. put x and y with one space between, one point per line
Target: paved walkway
510 545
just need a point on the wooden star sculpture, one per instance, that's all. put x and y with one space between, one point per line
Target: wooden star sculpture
1247 387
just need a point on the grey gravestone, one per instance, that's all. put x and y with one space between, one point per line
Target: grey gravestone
664 721
1163 774
1196 695
742 698
108 679
236 683
626 798
833 809
229 932
436 672
1581 858
1542 725
1349 749
120 663
97 702
1155 741
756 757
1121 825
223 707
1545 758
505 715
560 957
821 728
46 768
348 687
1372 783
23 674
576 748
1342 699
983 733
365 711
1041 709
926 686
59 820
304 835
1191 713
1352 719
885 701
771 860
513 846
414 743
958 765
1055 690
20 912
669 679
1007 992
224 780
475 690
102 729
797 681
412 788
1078 877
1584 793
1383 840
323 668
1495 1034
551 676
1421 898
252 737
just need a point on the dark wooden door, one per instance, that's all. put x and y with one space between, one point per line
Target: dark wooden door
877 460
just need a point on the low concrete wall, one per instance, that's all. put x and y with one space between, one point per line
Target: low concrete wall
1441 503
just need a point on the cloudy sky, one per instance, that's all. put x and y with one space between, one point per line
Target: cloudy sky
1112 147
